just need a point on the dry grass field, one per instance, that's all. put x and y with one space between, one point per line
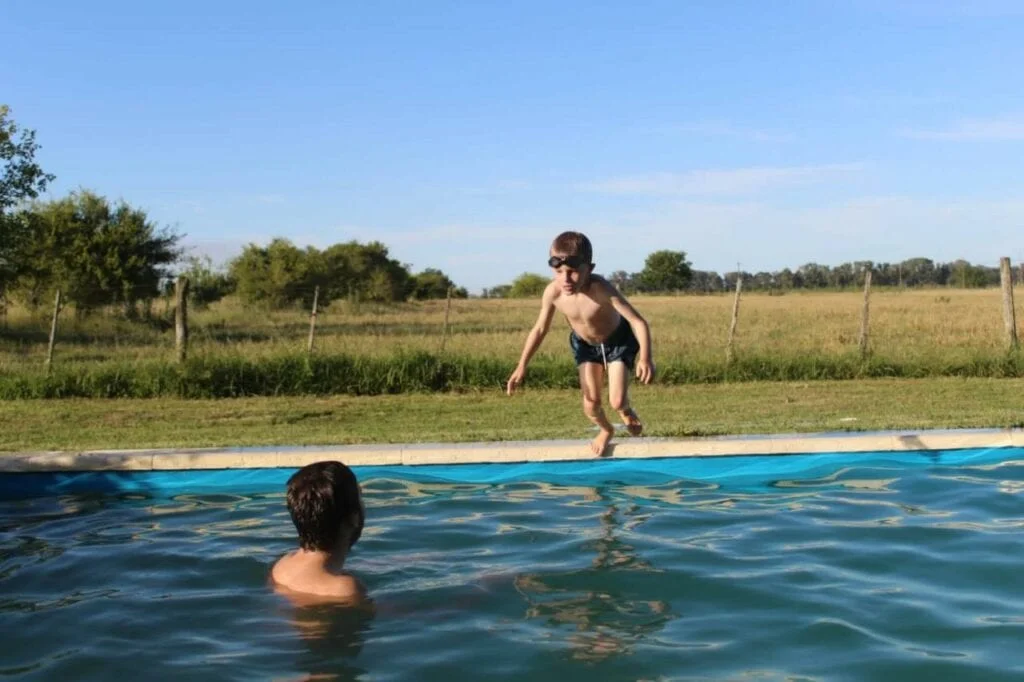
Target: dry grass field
926 327
919 339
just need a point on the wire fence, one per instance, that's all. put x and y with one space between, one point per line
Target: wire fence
475 342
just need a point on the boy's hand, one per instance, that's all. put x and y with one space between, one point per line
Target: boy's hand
516 380
645 371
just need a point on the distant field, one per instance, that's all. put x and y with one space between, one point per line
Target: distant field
932 332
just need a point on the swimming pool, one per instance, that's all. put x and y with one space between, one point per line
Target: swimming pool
889 566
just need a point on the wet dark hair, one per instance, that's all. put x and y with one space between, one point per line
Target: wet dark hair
573 244
322 498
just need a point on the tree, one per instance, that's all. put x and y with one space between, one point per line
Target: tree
814 276
918 272
785 279
500 291
432 283
366 272
862 266
764 281
705 281
528 285
205 284
729 279
21 180
665 271
967 276
623 281
842 276
96 253
276 275
280 274
382 278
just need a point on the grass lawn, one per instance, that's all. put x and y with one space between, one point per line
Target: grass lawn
739 408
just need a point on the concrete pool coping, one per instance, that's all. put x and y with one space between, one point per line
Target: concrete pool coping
411 454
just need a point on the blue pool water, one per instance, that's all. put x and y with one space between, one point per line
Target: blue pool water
901 567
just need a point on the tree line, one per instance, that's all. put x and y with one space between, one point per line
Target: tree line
664 271
669 271
912 272
281 274
102 253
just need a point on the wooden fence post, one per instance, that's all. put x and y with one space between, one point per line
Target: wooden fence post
53 334
864 315
447 313
1009 316
181 317
735 319
312 319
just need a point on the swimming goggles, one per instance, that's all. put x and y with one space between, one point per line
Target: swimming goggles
574 262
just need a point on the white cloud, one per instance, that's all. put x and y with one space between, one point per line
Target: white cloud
719 182
977 129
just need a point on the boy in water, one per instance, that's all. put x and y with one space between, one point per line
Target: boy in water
326 507
609 337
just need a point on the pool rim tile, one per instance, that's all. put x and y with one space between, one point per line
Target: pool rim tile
416 454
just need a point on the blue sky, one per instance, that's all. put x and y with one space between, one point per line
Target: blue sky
465 135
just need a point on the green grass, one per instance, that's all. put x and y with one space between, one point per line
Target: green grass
702 409
375 349
421 372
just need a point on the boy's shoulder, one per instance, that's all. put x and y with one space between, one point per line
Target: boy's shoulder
299 582
344 586
602 285
551 291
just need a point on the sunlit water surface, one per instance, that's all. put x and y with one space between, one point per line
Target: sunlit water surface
865 574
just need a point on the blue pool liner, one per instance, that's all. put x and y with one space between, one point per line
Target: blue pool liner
727 471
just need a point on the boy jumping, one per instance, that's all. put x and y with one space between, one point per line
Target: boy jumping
608 335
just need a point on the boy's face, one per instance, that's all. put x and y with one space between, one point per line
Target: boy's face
570 271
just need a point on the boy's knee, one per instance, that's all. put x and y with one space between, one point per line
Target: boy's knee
591 405
618 402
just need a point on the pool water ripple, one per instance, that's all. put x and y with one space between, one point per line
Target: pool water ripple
860 574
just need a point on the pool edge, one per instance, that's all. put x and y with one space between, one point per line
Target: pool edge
411 454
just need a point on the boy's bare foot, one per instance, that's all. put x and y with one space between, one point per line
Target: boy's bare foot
632 422
600 443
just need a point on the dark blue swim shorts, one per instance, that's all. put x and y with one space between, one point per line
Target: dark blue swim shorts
620 346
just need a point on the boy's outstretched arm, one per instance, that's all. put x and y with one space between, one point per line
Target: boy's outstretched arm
533 339
645 359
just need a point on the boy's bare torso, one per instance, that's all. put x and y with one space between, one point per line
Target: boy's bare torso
590 313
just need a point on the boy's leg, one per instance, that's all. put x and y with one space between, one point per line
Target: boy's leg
618 397
591 383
